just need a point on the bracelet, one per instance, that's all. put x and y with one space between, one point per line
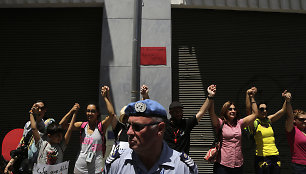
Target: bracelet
253 102
209 97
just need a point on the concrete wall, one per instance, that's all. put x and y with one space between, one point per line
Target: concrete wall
117 45
116 55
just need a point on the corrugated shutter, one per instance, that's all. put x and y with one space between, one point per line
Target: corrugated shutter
51 54
235 50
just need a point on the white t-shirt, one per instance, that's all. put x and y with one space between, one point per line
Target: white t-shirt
50 154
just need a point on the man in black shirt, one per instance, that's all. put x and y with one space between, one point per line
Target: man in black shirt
177 133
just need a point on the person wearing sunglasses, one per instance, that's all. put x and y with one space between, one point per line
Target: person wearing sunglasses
92 135
32 150
230 158
296 135
267 160
147 152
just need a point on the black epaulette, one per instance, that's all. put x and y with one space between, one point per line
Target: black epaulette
112 157
188 161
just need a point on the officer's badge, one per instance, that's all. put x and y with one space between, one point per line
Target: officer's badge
140 107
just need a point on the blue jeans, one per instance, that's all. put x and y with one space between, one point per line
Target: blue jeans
221 169
298 168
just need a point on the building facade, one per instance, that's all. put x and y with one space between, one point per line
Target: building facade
74 47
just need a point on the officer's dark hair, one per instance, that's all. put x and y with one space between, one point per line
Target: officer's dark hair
54 128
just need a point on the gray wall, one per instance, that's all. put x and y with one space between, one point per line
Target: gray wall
116 51
116 55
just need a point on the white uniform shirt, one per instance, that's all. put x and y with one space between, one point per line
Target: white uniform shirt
170 162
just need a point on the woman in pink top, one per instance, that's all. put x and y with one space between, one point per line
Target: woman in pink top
230 160
296 134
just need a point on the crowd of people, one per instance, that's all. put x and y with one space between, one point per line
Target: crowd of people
146 141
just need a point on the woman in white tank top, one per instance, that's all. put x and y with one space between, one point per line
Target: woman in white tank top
92 137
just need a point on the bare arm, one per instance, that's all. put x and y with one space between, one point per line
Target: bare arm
144 91
8 168
69 130
212 114
248 102
114 122
290 117
64 121
108 120
36 135
211 93
248 120
281 112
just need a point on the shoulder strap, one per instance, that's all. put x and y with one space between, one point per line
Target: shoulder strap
219 134
100 128
188 161
220 130
256 123
82 129
112 157
83 125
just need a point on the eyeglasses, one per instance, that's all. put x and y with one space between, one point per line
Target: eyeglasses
138 127
301 119
232 109
262 109
91 110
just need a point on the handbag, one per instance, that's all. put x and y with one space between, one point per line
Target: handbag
212 153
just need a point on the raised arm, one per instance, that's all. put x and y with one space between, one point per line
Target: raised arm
211 93
71 125
64 121
290 117
34 111
274 117
108 120
144 91
212 89
247 100
251 118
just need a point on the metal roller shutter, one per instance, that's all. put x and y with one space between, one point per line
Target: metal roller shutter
235 50
51 54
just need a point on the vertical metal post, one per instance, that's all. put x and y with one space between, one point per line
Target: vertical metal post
136 50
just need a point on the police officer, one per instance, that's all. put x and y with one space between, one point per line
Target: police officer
148 153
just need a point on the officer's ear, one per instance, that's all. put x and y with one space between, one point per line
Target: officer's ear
161 128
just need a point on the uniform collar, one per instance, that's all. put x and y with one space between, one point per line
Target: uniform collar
166 158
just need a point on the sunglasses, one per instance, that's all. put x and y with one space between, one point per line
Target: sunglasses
262 109
138 127
91 110
301 119
232 109
43 108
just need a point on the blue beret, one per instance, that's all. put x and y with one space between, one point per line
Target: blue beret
146 108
